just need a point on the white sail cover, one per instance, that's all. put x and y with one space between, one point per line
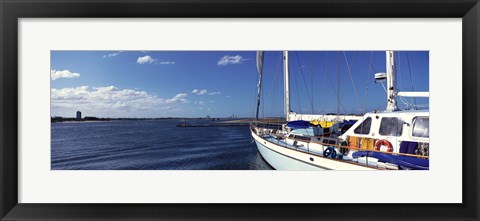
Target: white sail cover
260 72
260 62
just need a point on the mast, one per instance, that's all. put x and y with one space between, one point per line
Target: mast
338 82
260 74
286 85
391 84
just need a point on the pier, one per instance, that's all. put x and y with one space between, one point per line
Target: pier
232 123
214 125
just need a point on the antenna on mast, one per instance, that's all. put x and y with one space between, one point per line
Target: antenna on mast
392 90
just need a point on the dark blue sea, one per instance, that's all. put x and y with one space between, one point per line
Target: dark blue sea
152 145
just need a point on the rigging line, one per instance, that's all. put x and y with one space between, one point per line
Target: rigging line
278 74
397 70
368 82
384 88
351 78
336 95
312 79
254 110
331 85
404 101
344 86
325 80
346 77
411 79
345 82
255 104
274 85
304 82
409 104
270 111
374 70
280 85
263 103
338 82
296 87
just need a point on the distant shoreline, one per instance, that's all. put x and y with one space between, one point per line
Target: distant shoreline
78 122
223 120
248 120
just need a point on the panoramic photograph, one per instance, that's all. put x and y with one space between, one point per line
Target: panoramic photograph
239 110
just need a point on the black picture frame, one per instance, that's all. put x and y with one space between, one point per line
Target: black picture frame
12 10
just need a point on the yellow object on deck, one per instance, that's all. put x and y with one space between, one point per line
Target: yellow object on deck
367 143
323 124
354 142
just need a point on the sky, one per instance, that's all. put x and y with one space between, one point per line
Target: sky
224 83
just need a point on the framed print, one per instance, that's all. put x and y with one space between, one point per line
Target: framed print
145 110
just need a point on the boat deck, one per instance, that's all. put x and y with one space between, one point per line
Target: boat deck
301 147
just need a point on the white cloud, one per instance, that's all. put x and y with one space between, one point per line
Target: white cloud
77 93
149 60
179 98
111 54
199 91
56 74
108 98
146 59
204 91
199 102
226 60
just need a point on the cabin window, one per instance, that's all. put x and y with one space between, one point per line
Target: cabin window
421 127
328 141
302 138
391 126
364 127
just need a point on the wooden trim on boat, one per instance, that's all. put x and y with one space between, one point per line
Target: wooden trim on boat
317 155
352 148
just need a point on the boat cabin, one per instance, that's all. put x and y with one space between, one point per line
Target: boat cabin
391 131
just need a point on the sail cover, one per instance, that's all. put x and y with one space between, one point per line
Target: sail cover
260 62
260 72
299 124
402 161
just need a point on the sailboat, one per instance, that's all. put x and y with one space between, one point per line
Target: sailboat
391 139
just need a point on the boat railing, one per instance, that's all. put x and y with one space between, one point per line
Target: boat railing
268 125
344 147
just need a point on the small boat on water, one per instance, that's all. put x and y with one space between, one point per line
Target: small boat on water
392 139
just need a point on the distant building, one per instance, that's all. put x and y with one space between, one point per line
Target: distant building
79 115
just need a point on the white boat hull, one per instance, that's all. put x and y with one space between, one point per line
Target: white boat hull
282 158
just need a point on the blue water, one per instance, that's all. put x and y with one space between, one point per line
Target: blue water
152 145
